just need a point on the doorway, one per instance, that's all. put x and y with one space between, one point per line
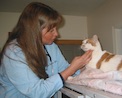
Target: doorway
117 40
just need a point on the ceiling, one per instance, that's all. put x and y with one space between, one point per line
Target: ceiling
65 7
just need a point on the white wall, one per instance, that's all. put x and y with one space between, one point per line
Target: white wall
103 19
75 27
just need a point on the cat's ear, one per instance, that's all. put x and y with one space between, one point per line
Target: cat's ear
95 38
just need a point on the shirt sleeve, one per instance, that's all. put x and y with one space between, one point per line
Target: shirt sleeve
62 78
25 81
62 62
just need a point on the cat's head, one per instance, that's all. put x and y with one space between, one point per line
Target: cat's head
90 44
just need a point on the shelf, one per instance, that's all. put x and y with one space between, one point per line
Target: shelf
68 42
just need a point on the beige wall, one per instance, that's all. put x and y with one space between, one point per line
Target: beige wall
7 22
103 19
99 22
75 27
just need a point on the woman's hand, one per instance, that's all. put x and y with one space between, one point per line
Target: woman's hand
76 64
80 61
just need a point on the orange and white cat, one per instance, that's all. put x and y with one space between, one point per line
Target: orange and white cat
101 59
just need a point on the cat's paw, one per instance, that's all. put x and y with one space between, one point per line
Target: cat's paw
70 78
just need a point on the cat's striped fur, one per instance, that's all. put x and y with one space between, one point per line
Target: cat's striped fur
101 59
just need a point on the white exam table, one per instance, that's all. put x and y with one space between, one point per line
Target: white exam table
77 91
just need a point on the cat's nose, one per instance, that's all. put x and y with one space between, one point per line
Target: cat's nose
82 46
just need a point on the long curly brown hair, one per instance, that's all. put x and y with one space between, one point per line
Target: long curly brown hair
35 17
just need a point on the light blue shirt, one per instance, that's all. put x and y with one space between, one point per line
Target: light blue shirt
17 80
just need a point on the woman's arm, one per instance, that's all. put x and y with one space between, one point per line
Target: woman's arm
76 64
25 81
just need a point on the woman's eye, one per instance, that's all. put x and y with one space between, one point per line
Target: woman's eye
51 30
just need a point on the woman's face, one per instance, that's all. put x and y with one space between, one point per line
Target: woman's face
49 36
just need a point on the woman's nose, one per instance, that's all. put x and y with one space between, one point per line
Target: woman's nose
56 33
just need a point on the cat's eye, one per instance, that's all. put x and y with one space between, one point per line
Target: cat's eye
87 42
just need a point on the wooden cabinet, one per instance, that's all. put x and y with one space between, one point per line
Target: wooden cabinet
68 42
70 48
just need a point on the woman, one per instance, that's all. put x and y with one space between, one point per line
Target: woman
31 65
